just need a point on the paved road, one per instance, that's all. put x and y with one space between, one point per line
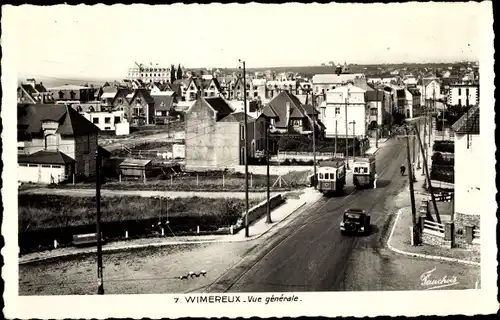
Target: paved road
311 255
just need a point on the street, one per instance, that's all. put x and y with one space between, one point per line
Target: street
307 253
316 257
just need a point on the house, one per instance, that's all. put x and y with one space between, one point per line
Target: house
188 89
325 82
71 92
238 88
463 94
142 107
209 142
274 87
288 115
344 103
108 95
375 107
33 92
430 89
54 143
121 103
413 107
164 106
106 120
468 146
210 87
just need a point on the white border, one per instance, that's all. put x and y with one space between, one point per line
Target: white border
467 302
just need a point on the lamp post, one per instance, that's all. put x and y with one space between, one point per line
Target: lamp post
246 146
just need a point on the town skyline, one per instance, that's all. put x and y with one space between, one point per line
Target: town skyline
414 34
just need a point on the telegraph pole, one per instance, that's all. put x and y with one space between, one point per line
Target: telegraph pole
353 122
412 195
335 150
314 139
246 147
100 288
268 219
346 135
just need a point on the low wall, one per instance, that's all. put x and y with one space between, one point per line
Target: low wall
435 240
461 220
273 170
258 211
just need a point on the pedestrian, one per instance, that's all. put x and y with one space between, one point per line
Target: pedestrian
403 169
375 181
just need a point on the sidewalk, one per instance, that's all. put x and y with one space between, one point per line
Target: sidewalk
399 238
373 149
256 230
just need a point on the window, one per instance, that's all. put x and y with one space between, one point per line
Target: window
95 120
373 112
57 167
23 165
86 144
117 119
51 142
467 91
459 91
33 165
61 95
120 100
321 176
459 102
107 120
72 95
45 165
337 110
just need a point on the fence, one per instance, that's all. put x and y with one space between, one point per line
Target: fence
434 228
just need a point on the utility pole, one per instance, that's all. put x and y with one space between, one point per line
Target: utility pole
100 288
314 138
412 195
268 219
353 122
246 147
376 131
438 218
336 136
346 134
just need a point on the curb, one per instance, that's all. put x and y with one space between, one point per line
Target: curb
150 245
420 255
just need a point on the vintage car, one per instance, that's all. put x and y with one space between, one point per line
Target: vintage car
355 221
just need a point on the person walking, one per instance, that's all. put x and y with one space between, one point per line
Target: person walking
403 169
375 181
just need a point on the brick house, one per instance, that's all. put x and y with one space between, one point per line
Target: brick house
54 142
121 102
142 107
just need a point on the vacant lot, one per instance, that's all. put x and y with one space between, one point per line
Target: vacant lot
51 211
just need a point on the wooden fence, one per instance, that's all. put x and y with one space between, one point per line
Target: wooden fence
434 228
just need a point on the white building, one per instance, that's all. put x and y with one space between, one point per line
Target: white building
463 94
106 121
149 73
430 89
338 101
468 146
324 82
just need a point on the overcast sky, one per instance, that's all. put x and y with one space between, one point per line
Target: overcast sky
104 41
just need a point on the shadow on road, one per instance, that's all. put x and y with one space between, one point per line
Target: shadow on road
381 184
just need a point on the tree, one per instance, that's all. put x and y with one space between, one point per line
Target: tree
179 72
172 74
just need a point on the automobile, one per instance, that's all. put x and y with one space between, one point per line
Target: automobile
355 221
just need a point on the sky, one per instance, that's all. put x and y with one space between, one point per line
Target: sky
104 41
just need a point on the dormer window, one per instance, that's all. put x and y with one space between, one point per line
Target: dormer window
61 95
72 95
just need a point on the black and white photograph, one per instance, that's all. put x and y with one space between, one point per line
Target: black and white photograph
248 160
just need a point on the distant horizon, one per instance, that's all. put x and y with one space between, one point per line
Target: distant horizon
90 78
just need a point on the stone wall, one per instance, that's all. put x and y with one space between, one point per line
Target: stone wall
435 241
464 219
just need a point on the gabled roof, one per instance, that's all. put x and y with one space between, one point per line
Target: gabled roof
145 94
40 87
278 106
163 102
122 93
219 105
469 122
310 109
414 91
46 157
71 123
237 117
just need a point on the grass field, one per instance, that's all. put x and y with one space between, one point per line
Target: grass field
52 211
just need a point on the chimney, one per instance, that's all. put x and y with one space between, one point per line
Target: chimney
288 110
